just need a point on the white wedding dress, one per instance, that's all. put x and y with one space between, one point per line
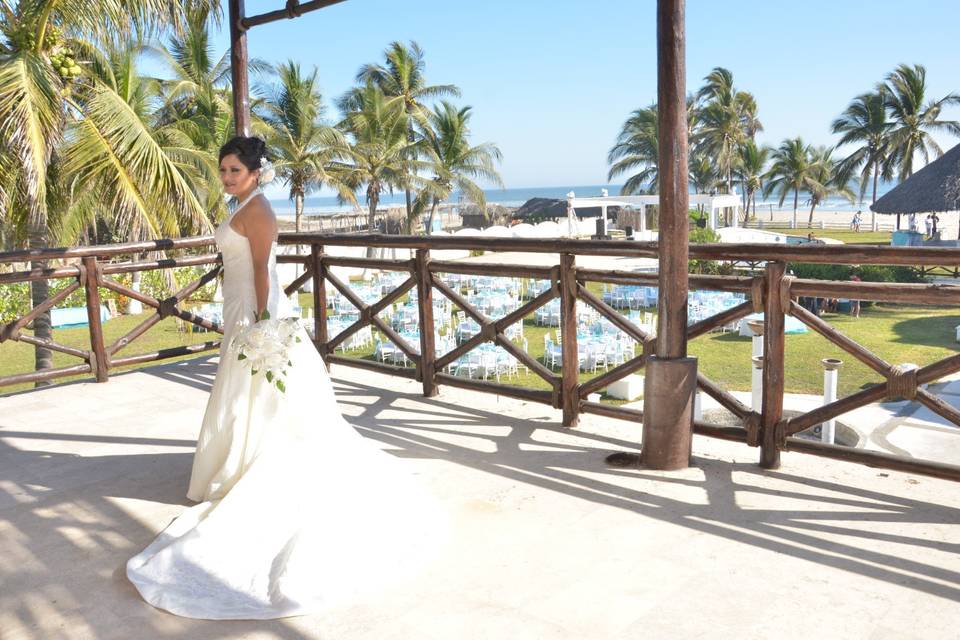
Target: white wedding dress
297 511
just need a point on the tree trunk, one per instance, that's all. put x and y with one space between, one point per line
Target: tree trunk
433 212
813 205
298 207
372 222
39 292
796 202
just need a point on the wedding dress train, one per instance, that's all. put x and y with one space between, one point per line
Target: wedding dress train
297 511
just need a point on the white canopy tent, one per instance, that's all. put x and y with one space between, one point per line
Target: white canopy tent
712 204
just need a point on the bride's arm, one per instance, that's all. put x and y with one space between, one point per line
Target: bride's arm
261 229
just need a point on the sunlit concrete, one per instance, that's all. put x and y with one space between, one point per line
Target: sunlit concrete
548 542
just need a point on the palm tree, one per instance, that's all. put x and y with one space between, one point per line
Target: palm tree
827 178
637 147
913 121
864 122
376 153
304 146
454 163
750 170
401 78
791 170
42 87
115 155
727 120
196 107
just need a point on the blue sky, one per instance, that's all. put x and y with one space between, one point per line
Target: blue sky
551 81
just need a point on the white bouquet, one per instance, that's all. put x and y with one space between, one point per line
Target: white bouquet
265 346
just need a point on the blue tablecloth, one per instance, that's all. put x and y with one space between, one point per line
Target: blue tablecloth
66 317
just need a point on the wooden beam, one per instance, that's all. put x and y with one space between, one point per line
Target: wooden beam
238 68
674 179
292 10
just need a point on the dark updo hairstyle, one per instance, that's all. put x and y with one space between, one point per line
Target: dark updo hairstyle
248 150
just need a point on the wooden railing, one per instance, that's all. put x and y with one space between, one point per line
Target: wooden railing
91 268
773 292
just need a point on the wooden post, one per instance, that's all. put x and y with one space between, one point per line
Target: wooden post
238 69
428 353
570 365
773 352
99 360
319 302
671 377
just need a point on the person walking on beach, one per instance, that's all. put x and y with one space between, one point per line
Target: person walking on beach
855 223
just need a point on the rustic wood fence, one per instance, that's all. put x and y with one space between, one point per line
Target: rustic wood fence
772 291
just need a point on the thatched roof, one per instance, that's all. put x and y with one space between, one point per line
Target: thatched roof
547 208
936 187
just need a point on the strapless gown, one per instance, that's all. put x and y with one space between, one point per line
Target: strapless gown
297 511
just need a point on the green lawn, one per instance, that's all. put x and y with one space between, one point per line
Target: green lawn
845 235
896 333
17 357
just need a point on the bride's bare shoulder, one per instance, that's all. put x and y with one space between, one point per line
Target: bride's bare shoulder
259 218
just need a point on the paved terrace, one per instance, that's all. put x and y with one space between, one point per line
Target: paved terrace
549 543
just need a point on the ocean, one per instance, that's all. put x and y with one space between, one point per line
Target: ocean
318 206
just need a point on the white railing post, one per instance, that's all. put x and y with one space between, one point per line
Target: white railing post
756 379
831 371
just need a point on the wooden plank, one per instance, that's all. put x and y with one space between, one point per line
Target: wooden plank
608 377
286 14
726 400
39 273
773 363
133 334
875 362
673 180
45 374
372 365
54 346
938 406
299 281
165 263
318 272
238 67
875 459
12 329
492 269
99 361
570 366
113 285
166 354
498 388
611 314
106 250
384 264
933 293
832 410
706 325
425 308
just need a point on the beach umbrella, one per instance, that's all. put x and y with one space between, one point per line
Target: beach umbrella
934 188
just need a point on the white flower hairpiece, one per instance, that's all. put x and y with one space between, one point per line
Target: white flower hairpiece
267 172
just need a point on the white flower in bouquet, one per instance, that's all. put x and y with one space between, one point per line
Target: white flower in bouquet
265 347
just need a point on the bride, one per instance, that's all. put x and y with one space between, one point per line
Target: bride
297 511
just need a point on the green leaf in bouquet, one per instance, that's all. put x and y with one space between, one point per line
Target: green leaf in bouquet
254 372
265 315
281 386
269 376
242 356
